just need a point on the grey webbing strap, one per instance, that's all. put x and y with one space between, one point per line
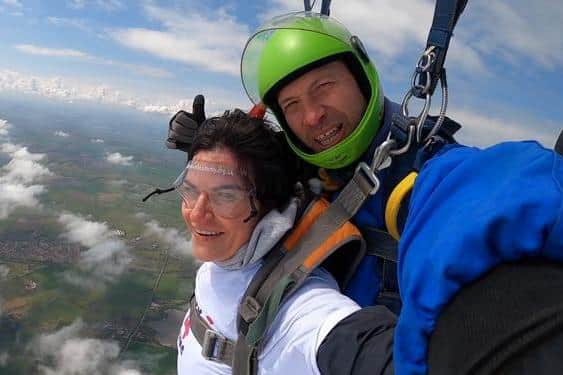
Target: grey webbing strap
245 360
290 272
341 210
214 346
249 307
284 272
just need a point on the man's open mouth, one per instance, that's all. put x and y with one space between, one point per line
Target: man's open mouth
330 137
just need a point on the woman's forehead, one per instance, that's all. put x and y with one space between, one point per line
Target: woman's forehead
213 177
217 167
219 157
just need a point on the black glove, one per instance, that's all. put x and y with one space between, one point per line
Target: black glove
183 126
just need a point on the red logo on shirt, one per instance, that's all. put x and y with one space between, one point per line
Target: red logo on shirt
186 327
209 319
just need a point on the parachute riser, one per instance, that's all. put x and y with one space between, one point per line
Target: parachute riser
428 72
325 6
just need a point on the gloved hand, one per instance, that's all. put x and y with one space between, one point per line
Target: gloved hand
183 125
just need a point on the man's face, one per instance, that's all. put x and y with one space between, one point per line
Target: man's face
323 106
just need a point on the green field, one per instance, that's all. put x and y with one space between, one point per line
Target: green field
85 184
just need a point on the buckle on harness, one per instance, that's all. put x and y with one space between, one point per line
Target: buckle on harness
213 346
372 178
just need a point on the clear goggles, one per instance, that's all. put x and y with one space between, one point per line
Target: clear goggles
225 191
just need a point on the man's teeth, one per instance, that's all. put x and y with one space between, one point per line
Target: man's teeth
328 137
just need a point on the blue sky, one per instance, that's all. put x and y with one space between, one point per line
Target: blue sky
504 64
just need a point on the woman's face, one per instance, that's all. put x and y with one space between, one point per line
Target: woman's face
218 205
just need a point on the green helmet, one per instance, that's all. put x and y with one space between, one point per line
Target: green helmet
290 45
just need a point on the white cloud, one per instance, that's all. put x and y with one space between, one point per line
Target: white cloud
3 356
59 52
142 70
60 133
118 159
69 90
111 5
177 241
19 152
385 26
86 233
24 167
4 127
517 31
212 42
481 129
17 178
107 256
118 182
511 30
97 140
108 5
69 22
18 195
77 4
12 3
106 260
68 353
4 271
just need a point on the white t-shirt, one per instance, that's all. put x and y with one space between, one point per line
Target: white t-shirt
295 335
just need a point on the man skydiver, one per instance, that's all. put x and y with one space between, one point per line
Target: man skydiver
469 210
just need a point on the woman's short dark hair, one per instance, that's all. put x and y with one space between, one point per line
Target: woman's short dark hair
263 151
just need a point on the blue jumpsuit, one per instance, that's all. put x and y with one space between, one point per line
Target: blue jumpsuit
469 211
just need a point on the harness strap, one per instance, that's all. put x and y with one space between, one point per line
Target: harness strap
246 358
214 346
239 355
301 253
304 253
446 14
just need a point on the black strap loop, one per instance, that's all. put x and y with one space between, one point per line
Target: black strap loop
157 191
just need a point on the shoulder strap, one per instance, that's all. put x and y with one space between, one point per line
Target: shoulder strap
214 346
321 230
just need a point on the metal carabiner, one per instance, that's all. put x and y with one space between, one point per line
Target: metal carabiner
381 154
407 145
443 107
426 60
421 118
370 174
